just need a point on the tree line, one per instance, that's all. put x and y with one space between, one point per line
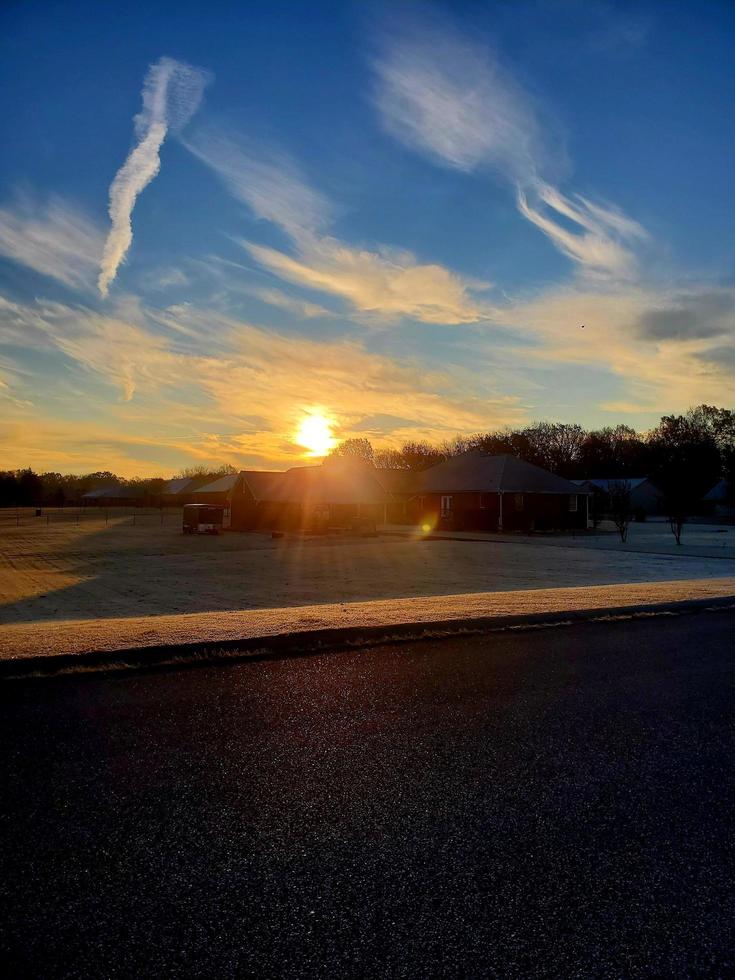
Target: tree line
703 436
26 488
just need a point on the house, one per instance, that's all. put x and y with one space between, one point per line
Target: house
720 501
111 496
645 497
337 493
219 491
401 486
175 493
477 491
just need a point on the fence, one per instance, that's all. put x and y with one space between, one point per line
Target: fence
47 517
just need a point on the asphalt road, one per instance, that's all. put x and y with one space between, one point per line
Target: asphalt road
556 803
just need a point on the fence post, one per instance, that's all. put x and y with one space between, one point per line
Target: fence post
105 517
17 517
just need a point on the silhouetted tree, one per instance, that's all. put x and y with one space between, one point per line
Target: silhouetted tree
411 456
686 464
356 448
620 509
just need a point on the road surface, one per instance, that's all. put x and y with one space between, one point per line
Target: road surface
531 804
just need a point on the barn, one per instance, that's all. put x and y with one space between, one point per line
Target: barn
477 491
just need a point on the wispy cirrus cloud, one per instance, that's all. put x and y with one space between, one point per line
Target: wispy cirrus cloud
389 283
449 98
268 182
227 390
54 238
172 92
384 282
598 246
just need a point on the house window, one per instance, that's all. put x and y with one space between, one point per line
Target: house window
486 500
518 501
572 503
446 506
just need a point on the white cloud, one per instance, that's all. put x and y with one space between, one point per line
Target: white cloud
598 248
55 239
299 307
445 96
172 92
387 283
269 184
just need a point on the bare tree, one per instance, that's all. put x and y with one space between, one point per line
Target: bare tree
355 448
620 509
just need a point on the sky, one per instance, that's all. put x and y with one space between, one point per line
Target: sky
410 220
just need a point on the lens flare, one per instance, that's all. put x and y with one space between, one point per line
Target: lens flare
315 434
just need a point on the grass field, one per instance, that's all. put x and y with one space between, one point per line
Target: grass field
138 563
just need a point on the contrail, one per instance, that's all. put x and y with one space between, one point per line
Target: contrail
172 92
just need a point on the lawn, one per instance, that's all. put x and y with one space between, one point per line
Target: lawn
93 569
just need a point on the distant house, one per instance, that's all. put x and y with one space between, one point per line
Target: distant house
176 492
645 497
720 501
219 491
477 491
111 496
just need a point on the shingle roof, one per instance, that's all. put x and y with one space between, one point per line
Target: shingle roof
718 493
605 484
223 485
340 481
261 482
475 471
179 485
121 493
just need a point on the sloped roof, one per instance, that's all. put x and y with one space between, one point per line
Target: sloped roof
607 482
179 485
398 481
338 482
718 493
223 485
475 471
261 482
112 491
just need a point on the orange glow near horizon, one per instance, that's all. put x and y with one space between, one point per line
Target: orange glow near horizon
314 433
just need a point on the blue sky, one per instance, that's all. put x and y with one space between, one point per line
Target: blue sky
395 216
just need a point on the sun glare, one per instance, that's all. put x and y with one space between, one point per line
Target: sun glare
315 434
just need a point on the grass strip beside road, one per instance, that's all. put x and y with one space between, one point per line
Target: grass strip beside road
49 647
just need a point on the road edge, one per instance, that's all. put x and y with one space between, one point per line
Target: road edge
311 642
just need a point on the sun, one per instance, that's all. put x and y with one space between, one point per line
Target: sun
315 434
